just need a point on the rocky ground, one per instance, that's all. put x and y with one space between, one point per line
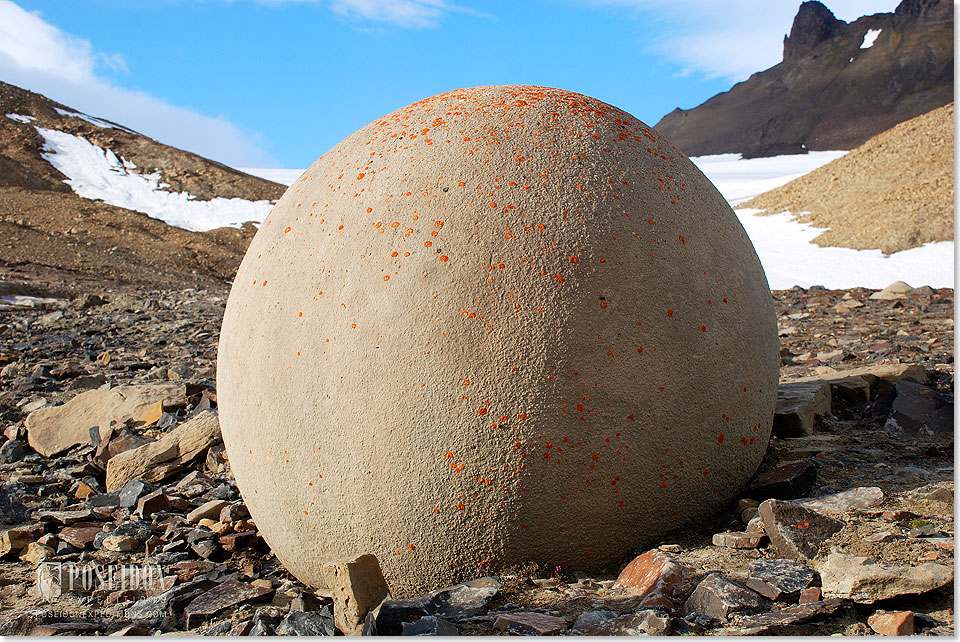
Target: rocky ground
864 441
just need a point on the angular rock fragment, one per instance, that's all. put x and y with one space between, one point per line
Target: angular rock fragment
209 510
780 579
658 578
919 409
307 623
357 586
157 460
787 481
796 531
64 517
221 597
716 597
35 553
50 431
865 581
450 603
14 540
530 623
892 622
780 622
81 534
859 498
798 406
430 625
152 503
737 540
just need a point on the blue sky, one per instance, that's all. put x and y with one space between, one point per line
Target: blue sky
275 83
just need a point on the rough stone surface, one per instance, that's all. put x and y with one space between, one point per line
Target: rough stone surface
357 586
864 580
780 579
798 406
658 578
855 498
796 531
737 540
717 597
451 603
157 460
53 430
430 625
787 481
208 510
530 623
681 277
892 622
307 623
14 540
780 622
219 598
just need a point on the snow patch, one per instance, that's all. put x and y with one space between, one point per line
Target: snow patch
21 119
870 37
98 174
92 120
790 258
741 179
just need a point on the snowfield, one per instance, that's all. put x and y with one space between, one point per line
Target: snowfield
98 174
784 245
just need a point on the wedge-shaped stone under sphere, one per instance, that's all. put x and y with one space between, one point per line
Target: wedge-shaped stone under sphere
500 324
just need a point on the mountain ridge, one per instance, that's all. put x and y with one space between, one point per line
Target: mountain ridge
828 93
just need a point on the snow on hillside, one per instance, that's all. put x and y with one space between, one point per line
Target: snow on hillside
98 174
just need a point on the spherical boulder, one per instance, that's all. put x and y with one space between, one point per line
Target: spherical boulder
500 324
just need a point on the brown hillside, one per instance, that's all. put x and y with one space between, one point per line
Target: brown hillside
47 229
893 192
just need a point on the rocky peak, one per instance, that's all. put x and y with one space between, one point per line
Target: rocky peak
930 9
813 25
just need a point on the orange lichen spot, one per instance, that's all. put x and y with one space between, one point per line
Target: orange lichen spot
493 204
466 382
669 313
438 224
306 512
521 416
386 277
360 175
353 325
264 284
300 314
427 243
287 230
640 349
482 411
724 299
682 240
436 510
461 507
393 254
720 438
340 227
444 258
411 547
574 259
369 209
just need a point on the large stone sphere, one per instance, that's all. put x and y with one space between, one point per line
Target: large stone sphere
500 324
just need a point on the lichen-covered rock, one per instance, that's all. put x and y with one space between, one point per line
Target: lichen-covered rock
499 324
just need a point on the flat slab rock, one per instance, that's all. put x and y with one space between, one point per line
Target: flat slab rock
221 597
865 581
778 622
859 498
794 530
529 623
780 579
50 431
606 622
450 603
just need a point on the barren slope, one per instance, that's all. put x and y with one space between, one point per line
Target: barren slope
893 192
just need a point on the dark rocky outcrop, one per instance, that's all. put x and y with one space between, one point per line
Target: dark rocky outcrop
828 93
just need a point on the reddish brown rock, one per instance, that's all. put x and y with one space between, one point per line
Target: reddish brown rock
659 578
788 481
892 622
526 623
80 534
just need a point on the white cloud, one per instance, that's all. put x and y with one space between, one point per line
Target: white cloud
727 39
404 13
38 56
